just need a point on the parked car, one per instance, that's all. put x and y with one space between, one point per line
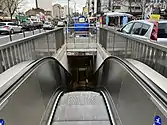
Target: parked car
28 26
48 26
37 24
149 30
60 24
10 27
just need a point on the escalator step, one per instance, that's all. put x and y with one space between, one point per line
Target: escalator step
79 98
83 108
81 113
82 123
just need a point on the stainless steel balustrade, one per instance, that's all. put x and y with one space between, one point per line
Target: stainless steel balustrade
29 100
118 44
33 47
81 108
134 99
81 39
125 46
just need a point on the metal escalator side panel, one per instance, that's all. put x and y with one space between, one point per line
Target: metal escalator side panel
27 100
51 107
17 72
131 96
109 107
154 80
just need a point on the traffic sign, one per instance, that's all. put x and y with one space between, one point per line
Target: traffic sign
2 122
157 120
155 17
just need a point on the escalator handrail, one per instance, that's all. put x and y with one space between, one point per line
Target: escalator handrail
153 88
52 113
105 60
156 90
28 70
39 60
107 103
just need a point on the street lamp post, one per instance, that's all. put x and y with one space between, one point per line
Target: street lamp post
88 6
143 9
36 1
68 8
75 7
68 18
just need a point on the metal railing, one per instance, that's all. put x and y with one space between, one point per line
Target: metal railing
81 37
11 37
125 46
33 47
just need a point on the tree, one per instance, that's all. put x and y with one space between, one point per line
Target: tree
143 5
130 2
126 3
11 6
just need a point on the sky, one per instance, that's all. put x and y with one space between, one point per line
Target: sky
28 4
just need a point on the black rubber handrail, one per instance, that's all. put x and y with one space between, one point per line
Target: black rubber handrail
148 83
28 69
108 104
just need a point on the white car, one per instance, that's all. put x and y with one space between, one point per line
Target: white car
48 26
60 24
9 27
148 30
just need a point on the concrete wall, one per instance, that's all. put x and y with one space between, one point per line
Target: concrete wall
61 56
101 56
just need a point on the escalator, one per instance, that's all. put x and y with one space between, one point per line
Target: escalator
81 108
44 94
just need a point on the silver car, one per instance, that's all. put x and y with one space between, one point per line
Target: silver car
9 27
48 26
155 31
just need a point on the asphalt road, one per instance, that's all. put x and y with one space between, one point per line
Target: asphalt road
6 38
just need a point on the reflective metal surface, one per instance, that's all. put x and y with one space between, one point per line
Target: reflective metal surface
26 101
32 47
126 46
132 101
135 103
157 78
81 40
8 77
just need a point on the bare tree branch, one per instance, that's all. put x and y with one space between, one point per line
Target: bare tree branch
11 6
129 3
123 3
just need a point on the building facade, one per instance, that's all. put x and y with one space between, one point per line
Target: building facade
56 9
103 6
66 10
63 15
34 11
61 11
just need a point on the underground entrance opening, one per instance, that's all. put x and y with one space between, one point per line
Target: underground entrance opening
81 68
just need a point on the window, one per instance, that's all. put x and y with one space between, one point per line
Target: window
136 28
12 24
126 28
81 20
134 7
47 23
144 29
116 7
162 30
137 8
2 24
